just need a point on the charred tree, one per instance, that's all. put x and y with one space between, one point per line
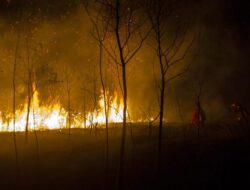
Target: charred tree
124 57
99 34
105 106
124 39
14 105
68 103
95 105
84 111
29 86
170 48
29 96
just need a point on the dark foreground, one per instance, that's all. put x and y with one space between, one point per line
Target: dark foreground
218 159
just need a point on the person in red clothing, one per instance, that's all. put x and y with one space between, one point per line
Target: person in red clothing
198 116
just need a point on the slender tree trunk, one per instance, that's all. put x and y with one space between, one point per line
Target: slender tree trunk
124 127
199 122
28 106
161 120
35 133
91 123
105 108
162 91
95 107
14 107
124 83
84 111
28 90
69 105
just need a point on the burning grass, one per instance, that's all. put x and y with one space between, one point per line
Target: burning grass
54 116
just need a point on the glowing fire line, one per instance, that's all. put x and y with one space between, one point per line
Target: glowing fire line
54 116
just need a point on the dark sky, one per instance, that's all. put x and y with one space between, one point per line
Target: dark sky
226 15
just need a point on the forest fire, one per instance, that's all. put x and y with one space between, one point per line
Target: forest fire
46 117
114 111
124 94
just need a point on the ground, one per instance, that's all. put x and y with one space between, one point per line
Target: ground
218 159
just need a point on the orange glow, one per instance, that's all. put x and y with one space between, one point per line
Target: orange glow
54 116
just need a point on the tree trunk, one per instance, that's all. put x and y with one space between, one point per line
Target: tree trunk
162 92
161 120
84 111
28 106
95 106
124 83
14 107
69 105
105 108
36 137
124 126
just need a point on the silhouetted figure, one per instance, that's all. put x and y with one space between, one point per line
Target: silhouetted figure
198 116
241 113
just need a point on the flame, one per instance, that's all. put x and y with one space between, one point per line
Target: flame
45 117
114 109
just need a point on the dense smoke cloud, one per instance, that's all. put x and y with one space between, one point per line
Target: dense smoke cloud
59 34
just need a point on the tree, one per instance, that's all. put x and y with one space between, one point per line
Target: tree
171 47
33 49
68 101
14 102
125 37
29 88
99 34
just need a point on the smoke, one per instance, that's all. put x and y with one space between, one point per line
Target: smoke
61 46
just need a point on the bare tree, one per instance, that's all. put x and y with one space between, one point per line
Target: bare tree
84 110
33 50
99 34
68 101
29 89
94 103
171 47
90 91
125 39
14 103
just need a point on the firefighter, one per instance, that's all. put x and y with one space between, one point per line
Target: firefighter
198 116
